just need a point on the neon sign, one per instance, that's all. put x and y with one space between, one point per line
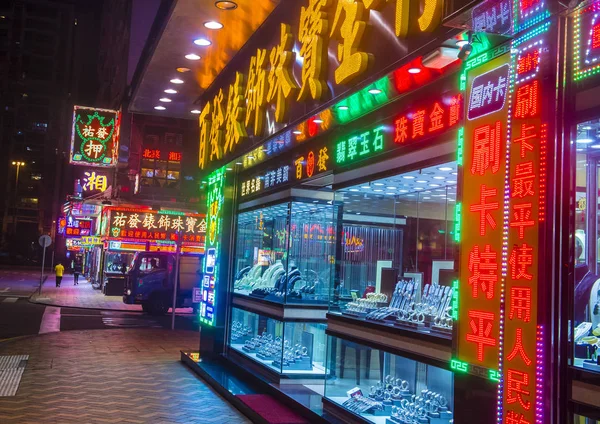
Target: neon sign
151 154
586 60
360 146
94 137
94 181
488 93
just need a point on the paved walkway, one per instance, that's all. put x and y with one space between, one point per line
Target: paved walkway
111 376
82 295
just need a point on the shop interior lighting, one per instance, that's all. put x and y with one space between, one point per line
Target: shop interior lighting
445 168
159 107
414 70
297 132
170 91
213 25
439 177
226 5
378 184
365 187
176 81
195 111
343 107
595 146
374 91
202 42
182 70
318 121
408 177
165 100
192 56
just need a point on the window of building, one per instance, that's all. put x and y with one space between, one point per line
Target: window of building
33 201
36 176
160 168
586 325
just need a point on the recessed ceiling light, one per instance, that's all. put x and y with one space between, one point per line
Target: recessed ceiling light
445 168
585 140
165 100
192 56
434 185
250 157
170 91
438 177
318 121
183 70
391 194
374 91
195 111
343 107
454 173
421 181
354 189
403 191
177 81
461 43
229 169
378 184
419 188
378 190
408 177
239 163
213 25
596 146
159 107
414 70
225 4
297 132
451 181
202 42
391 188
358 213
366 187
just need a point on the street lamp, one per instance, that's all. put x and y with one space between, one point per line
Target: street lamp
18 165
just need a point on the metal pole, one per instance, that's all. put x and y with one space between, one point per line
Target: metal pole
177 254
42 275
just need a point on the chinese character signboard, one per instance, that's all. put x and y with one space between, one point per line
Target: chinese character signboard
586 60
133 224
300 64
92 181
95 137
482 221
74 228
522 360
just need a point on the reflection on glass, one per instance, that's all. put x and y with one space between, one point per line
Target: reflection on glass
586 322
284 252
387 386
396 255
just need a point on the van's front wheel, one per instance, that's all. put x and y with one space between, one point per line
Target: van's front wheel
158 306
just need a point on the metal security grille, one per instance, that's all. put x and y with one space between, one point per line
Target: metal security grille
11 371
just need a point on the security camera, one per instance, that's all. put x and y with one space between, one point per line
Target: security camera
465 51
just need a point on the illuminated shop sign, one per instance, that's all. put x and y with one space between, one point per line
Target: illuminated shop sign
493 17
71 227
311 163
94 137
156 226
90 240
215 199
360 146
74 244
272 178
157 154
242 109
482 222
586 60
93 182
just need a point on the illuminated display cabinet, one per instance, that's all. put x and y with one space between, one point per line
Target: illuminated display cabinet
288 349
380 387
284 252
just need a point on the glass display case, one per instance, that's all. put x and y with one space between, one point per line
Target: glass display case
395 263
386 388
586 322
285 347
283 252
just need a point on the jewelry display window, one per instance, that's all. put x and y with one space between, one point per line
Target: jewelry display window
284 252
396 257
287 348
381 387
586 320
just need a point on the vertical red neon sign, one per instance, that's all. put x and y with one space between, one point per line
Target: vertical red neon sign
483 186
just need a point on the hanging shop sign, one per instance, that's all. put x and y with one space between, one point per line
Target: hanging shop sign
481 233
95 137
212 266
92 181
74 244
334 53
72 227
493 17
586 49
156 225
157 154
90 241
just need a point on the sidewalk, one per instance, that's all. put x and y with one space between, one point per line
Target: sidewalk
80 296
111 376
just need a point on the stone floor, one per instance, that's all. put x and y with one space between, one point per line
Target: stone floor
111 376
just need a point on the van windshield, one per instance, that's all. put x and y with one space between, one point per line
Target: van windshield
152 263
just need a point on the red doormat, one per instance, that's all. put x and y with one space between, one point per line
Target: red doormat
271 410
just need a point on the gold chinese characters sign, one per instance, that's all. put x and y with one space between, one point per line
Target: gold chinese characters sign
296 67
95 137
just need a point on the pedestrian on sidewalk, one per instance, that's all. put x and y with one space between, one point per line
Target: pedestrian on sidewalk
59 269
76 272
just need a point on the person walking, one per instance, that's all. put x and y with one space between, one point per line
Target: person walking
59 269
76 272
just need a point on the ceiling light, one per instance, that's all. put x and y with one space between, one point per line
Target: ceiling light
434 185
170 91
391 194
202 42
451 181
421 181
437 177
461 43
596 146
426 198
366 187
239 163
408 177
587 127
229 169
250 157
374 91
159 107
195 111
454 173
403 191
318 121
177 81
343 107
378 190
445 168
378 184
225 5
391 188
192 56
354 189
183 70
419 188
213 25
358 213
585 140
414 70
297 132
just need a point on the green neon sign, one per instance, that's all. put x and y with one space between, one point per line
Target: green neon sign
360 146
459 366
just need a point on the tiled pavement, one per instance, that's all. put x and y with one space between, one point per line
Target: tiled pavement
111 376
82 295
